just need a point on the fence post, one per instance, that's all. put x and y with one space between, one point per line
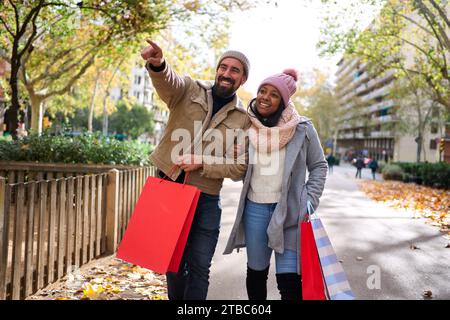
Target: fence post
112 211
4 230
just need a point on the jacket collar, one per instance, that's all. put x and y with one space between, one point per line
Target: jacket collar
236 102
293 148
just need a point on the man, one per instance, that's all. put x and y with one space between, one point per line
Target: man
373 165
359 164
331 161
203 113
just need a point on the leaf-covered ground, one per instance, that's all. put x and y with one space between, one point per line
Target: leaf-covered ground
106 279
431 203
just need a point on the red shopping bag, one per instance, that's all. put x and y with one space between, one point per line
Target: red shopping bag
159 227
312 278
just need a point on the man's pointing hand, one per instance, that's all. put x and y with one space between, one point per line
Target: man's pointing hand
153 54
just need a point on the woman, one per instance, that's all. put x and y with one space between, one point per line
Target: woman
274 197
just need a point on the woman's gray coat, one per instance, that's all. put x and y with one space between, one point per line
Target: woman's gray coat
302 152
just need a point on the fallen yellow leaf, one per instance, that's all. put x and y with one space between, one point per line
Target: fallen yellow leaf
92 291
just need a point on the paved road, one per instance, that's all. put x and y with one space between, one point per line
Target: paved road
370 238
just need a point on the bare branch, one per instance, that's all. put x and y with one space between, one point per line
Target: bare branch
443 51
442 13
419 49
72 81
16 13
7 27
40 34
413 22
64 68
55 59
32 16
4 56
427 12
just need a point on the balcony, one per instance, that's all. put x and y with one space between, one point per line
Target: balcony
374 82
381 134
377 93
387 118
349 105
342 72
346 136
360 79
376 120
363 87
381 105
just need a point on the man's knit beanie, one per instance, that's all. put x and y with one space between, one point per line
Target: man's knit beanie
239 56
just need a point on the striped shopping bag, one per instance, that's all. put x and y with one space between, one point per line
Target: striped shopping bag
335 279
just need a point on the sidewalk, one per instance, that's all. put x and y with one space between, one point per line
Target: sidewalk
107 278
387 253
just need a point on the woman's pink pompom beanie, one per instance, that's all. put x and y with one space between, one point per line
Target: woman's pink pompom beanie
285 82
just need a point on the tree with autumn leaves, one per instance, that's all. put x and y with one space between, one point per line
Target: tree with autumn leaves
51 45
412 38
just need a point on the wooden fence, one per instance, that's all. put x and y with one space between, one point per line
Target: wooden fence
51 222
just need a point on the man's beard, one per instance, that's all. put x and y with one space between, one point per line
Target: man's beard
224 92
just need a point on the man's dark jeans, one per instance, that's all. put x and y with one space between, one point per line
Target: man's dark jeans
192 279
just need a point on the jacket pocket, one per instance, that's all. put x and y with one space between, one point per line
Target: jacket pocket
196 108
195 112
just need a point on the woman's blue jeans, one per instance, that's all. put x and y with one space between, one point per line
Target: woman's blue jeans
256 220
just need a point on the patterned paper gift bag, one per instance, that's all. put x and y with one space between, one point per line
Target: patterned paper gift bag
336 281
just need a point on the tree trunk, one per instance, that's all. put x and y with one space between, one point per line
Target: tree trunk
419 149
105 115
335 138
2 119
12 114
91 108
37 113
107 93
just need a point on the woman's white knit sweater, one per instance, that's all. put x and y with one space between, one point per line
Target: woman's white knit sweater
265 184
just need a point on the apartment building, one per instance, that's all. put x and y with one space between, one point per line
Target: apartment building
369 124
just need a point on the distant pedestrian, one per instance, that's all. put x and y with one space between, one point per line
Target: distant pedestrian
331 162
373 165
359 164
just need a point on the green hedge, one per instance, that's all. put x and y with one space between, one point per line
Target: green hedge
392 172
86 148
429 174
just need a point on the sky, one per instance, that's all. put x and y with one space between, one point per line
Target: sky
276 38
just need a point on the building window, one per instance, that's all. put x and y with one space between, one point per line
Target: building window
137 80
433 144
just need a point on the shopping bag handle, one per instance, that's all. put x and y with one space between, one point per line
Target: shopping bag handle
310 208
172 170
310 212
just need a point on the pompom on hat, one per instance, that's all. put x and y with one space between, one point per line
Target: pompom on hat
285 82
